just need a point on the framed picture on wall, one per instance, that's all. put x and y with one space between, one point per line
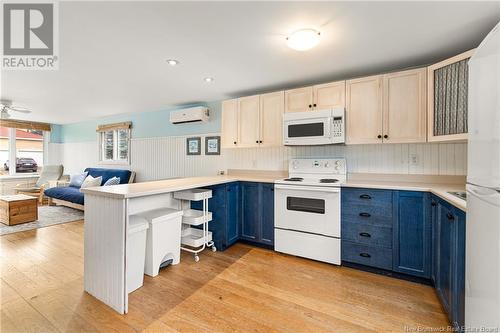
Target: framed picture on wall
212 145
193 146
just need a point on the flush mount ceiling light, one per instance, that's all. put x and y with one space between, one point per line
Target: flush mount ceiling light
303 40
172 62
209 79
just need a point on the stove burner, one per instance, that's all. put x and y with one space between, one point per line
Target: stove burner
294 179
328 180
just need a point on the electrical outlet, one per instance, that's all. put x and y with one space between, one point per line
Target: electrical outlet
413 159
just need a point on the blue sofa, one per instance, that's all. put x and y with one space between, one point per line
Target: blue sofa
72 197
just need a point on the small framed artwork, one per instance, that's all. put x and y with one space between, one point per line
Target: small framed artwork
212 145
193 146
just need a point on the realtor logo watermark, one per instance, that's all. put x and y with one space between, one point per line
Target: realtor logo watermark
30 35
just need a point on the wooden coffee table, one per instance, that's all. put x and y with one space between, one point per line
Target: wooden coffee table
17 209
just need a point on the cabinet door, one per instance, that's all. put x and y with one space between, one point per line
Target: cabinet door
248 121
364 110
447 95
250 215
405 107
229 130
233 211
434 229
271 118
446 245
412 234
299 100
267 218
459 270
329 95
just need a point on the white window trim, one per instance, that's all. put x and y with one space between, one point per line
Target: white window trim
13 154
100 142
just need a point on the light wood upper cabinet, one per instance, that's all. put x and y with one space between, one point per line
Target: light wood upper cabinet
299 100
364 110
248 121
272 106
447 94
329 95
405 106
318 97
229 130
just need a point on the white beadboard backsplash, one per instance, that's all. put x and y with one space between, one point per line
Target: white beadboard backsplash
159 158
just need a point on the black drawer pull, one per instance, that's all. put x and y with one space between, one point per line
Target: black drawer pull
365 234
365 214
365 196
450 217
365 255
433 204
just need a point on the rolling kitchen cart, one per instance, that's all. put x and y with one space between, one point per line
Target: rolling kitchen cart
195 238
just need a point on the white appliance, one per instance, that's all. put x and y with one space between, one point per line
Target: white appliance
482 280
191 115
307 209
320 127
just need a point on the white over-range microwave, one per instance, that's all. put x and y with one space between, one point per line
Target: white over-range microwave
322 127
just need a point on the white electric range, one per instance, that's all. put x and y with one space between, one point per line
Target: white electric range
307 209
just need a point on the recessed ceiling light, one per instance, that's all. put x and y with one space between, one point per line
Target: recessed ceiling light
303 40
172 62
209 79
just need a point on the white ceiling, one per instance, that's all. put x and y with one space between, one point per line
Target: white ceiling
112 54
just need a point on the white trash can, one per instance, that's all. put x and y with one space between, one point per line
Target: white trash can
164 238
136 252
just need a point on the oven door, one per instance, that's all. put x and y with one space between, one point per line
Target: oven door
310 131
309 209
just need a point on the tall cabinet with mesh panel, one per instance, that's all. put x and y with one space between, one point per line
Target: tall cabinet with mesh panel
447 92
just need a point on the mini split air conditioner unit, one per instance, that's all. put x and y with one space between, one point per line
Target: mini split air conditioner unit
191 115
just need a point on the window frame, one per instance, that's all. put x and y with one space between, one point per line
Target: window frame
115 160
12 153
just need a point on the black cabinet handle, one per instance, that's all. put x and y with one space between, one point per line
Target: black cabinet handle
314 104
433 204
365 255
260 141
450 216
386 136
364 214
365 234
272 190
379 136
257 141
310 106
365 196
234 142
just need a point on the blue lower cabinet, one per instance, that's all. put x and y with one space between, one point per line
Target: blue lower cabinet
366 227
257 213
267 222
233 213
449 263
412 242
250 212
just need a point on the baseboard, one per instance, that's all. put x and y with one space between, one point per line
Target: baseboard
392 274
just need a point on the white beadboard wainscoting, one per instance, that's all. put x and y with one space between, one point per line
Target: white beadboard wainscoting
165 157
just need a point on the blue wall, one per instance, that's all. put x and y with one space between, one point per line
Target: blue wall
144 125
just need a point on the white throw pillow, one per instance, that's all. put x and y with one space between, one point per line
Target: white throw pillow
77 180
91 181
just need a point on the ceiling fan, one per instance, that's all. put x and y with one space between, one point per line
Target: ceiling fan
6 107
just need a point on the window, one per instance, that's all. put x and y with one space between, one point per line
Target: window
114 143
22 147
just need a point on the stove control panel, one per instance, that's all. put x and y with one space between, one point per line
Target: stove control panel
318 165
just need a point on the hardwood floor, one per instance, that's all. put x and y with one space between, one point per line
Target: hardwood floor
243 289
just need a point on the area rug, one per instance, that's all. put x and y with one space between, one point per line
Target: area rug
47 216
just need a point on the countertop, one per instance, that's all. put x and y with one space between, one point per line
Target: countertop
178 184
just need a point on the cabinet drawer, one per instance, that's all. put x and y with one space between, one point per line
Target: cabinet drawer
375 215
368 197
367 234
374 256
